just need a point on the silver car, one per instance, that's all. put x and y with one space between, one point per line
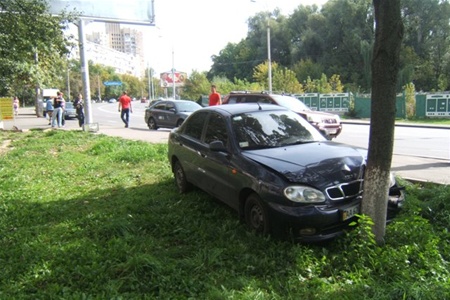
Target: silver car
169 113
69 111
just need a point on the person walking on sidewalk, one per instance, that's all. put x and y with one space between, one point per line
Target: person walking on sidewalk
16 104
57 111
78 103
125 108
49 110
63 109
214 97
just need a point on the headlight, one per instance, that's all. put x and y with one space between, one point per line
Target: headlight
304 194
314 119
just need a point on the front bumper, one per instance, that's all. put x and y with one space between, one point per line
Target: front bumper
314 223
317 223
330 132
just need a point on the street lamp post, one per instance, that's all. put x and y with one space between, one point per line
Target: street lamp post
269 60
173 74
150 90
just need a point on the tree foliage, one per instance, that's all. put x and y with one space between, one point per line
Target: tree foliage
32 44
338 39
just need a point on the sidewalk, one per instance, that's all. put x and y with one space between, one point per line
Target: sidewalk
421 169
399 124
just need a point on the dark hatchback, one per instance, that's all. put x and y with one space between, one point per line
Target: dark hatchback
271 166
169 113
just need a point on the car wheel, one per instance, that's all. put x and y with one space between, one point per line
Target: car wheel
256 215
179 122
180 178
152 124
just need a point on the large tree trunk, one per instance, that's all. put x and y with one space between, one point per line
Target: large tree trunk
385 66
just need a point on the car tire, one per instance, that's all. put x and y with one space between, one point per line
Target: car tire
180 178
152 124
179 122
256 215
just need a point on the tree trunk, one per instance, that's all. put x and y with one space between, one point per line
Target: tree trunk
385 66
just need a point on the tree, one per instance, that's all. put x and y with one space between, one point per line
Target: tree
284 80
305 69
385 67
336 84
322 85
261 73
196 85
32 45
427 32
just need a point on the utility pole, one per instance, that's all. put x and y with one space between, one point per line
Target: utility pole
269 59
173 74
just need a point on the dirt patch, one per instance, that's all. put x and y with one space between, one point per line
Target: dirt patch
4 147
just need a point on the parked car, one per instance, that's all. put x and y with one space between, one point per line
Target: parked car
112 100
274 168
169 113
328 124
69 111
153 102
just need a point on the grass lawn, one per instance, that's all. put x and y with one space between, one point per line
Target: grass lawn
88 216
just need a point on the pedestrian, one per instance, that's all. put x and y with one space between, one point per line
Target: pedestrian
63 109
78 103
49 110
57 111
16 104
125 108
214 97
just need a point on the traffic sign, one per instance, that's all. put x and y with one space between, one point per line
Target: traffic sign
112 83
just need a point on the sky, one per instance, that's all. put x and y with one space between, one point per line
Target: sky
187 33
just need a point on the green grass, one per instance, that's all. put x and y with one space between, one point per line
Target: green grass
86 216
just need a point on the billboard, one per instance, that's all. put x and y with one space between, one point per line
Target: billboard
6 109
120 11
168 78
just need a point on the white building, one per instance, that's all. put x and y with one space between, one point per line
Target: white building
120 48
122 63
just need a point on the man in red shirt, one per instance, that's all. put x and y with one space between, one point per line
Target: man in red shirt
214 97
125 104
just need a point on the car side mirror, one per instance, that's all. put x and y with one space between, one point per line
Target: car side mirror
172 110
217 146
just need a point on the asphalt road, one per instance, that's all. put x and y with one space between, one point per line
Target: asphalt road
420 153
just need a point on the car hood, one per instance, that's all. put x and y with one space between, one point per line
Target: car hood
318 163
320 114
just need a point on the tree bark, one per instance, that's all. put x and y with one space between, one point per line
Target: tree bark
385 66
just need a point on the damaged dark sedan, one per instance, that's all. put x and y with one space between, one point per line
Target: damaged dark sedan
274 168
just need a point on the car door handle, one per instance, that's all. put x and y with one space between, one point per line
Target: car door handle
201 154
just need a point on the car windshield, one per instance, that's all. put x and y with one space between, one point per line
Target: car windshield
69 105
291 103
188 106
270 129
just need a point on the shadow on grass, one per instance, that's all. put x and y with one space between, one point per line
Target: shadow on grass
146 239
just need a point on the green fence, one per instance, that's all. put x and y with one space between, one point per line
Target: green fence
437 105
337 103
362 106
427 105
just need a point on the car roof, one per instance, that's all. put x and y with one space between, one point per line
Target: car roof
176 101
244 108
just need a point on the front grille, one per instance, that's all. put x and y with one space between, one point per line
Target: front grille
330 121
345 190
